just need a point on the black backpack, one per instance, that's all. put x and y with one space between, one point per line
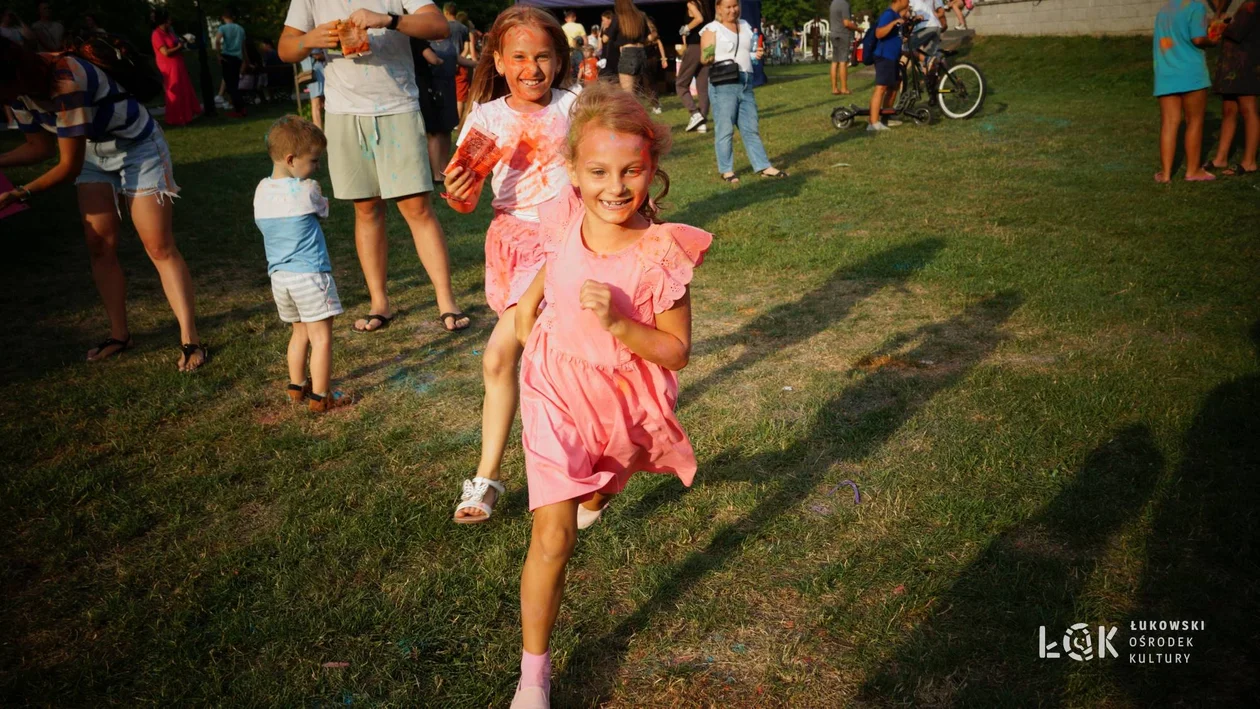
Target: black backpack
135 73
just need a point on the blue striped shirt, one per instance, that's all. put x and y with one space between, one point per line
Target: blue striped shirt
84 102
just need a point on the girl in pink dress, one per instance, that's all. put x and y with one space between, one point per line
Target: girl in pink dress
522 105
181 100
599 374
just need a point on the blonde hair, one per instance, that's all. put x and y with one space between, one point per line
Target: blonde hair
293 135
488 84
604 105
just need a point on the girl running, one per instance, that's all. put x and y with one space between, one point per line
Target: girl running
520 101
599 376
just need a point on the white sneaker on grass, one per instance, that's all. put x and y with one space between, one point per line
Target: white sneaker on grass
876 127
892 123
704 128
697 121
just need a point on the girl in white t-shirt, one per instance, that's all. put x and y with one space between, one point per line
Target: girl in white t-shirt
522 103
727 39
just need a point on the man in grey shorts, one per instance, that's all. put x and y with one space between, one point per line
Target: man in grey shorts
842 27
376 141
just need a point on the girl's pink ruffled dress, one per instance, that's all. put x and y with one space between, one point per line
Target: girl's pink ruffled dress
593 411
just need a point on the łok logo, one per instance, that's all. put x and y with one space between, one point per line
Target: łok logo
1079 644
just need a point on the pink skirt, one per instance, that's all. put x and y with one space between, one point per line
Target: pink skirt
514 255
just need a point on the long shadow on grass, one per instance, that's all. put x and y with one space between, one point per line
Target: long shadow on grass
980 647
848 428
830 302
1203 558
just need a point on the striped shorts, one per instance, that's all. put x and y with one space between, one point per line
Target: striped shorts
305 297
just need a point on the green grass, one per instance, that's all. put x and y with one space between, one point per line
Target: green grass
1039 367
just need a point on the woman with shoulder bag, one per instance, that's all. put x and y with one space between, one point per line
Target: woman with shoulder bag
726 45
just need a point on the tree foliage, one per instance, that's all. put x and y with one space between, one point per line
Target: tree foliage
795 13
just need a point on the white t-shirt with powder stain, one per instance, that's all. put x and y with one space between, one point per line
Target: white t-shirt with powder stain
380 84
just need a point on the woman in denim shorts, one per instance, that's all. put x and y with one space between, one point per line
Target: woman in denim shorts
109 145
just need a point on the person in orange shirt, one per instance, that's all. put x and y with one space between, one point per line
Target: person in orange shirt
589 69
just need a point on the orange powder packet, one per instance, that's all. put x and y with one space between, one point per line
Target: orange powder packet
354 40
478 152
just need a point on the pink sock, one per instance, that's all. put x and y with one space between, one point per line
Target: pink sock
536 670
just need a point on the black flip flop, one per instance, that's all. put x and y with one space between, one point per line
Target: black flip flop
372 316
122 345
781 174
454 317
190 348
731 178
1236 170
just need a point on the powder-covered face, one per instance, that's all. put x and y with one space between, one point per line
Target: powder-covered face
613 171
303 166
527 59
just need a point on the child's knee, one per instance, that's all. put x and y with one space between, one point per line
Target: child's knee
555 541
319 332
499 362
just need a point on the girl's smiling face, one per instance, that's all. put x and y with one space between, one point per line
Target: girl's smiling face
527 59
613 171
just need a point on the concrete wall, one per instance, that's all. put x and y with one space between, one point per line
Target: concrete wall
1063 17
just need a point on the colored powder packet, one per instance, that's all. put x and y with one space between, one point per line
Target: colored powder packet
354 40
6 186
477 152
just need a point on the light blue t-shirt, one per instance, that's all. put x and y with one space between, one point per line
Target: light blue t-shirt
233 39
287 212
1179 65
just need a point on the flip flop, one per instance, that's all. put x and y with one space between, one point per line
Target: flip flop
191 348
731 178
781 174
385 321
122 345
454 318
1237 171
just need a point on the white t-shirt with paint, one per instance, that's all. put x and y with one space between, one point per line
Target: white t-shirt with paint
531 169
382 83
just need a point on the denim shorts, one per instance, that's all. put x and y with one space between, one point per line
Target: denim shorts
632 62
136 168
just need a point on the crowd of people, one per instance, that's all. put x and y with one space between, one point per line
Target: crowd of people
1183 30
589 288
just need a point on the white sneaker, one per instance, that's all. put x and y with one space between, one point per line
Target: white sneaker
877 127
704 128
656 110
697 121
894 123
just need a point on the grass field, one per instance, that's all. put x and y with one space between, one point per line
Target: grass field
1039 368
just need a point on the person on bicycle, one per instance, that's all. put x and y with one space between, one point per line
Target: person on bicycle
927 35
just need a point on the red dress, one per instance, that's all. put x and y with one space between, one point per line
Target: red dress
181 100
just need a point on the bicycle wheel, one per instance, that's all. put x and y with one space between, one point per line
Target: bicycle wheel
961 91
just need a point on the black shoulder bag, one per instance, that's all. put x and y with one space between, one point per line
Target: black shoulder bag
727 70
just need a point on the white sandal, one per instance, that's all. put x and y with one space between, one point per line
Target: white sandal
473 498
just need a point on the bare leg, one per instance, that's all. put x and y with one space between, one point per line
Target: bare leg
542 580
626 81
373 248
598 501
151 216
439 155
1194 104
321 355
844 78
498 370
1229 125
317 112
877 101
1170 122
835 78
298 343
99 212
431 247
1250 109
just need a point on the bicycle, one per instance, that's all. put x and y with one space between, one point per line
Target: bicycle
958 89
